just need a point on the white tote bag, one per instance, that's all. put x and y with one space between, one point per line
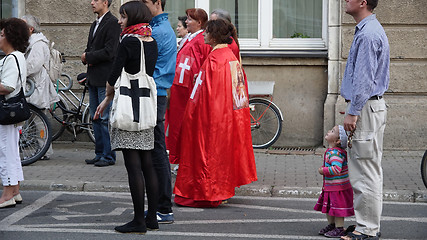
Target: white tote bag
134 105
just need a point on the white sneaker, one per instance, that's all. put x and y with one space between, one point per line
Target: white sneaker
10 203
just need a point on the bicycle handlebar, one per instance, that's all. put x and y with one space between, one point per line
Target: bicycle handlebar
65 87
32 86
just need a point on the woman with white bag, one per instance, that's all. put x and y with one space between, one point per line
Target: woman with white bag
133 112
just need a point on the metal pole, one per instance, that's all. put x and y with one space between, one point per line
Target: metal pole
236 15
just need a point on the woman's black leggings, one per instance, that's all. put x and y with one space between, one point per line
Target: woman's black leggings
140 172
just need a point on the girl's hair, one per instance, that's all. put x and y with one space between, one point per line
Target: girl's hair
33 22
16 33
198 14
183 19
220 31
223 14
136 12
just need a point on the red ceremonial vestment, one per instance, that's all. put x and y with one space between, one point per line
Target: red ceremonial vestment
215 147
189 60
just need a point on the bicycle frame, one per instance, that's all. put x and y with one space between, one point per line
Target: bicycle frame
76 113
251 97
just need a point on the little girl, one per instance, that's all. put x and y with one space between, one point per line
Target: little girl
336 199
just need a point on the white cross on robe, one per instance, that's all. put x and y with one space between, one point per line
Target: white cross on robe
196 85
184 66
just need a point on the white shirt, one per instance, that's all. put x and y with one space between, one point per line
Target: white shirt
9 72
98 21
193 35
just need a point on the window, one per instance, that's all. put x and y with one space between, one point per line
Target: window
8 8
176 8
268 24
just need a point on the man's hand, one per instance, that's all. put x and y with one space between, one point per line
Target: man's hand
83 57
350 122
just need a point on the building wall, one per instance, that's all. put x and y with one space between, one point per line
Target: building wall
405 23
307 89
300 91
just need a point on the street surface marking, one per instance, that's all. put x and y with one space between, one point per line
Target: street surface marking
39 203
164 233
115 212
7 223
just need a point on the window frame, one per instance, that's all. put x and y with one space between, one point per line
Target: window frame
265 40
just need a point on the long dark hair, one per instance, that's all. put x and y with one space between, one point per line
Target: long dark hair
136 12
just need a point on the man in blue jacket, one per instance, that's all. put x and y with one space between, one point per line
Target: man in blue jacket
163 76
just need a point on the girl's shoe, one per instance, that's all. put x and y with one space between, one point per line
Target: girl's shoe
9 203
18 198
326 229
131 227
336 233
152 224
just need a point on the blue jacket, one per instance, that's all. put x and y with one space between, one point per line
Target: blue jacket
164 72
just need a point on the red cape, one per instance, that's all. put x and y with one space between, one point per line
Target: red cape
215 147
189 60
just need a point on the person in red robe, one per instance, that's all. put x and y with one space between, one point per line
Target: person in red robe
189 60
215 146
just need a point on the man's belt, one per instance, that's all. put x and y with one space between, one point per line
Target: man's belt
371 98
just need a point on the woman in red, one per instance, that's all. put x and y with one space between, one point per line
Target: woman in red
189 59
215 146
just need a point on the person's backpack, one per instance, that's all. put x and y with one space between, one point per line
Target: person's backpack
55 63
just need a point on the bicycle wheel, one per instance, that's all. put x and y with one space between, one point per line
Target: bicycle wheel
35 137
87 121
56 118
424 169
266 122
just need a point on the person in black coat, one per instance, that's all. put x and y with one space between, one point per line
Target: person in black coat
99 55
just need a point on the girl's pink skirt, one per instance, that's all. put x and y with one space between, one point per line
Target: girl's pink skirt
336 203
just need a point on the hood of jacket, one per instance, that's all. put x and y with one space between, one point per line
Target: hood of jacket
35 37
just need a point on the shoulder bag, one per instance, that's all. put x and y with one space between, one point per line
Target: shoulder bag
15 109
134 105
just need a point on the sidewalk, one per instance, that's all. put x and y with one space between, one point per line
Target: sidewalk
280 173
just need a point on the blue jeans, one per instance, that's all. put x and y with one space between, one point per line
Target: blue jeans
100 126
160 159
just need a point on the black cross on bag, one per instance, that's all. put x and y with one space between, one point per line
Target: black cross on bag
134 105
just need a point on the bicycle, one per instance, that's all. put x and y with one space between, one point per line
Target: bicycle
266 117
76 119
35 135
424 169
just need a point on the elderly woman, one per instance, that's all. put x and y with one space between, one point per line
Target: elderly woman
189 59
13 72
37 56
182 31
215 150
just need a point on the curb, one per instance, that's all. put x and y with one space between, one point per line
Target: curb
247 190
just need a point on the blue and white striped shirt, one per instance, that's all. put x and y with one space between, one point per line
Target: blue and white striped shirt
367 70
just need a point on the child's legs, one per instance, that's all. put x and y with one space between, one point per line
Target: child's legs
338 221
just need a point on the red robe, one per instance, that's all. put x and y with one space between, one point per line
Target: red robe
189 60
215 146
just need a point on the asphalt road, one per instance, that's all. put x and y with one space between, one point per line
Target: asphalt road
93 215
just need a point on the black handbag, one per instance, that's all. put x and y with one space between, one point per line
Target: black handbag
15 109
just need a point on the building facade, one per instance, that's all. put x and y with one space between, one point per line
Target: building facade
302 45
